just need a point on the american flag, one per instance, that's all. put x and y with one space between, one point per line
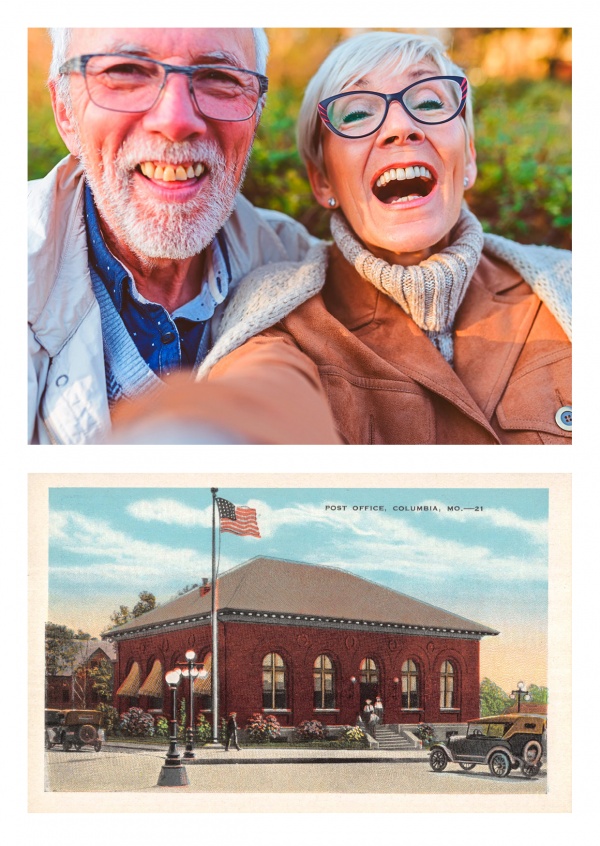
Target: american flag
237 519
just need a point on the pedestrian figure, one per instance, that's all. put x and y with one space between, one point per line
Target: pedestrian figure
370 717
232 732
378 708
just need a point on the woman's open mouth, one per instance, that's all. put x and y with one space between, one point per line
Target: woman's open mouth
402 185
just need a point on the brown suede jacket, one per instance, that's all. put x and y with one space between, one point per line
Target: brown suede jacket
387 384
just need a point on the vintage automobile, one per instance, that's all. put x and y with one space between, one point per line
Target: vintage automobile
504 743
75 728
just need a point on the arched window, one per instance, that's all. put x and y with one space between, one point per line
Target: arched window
447 685
324 686
274 681
410 685
368 671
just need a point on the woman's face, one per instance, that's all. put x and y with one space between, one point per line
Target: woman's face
407 219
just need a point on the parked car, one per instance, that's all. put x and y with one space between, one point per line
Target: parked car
74 728
504 743
54 720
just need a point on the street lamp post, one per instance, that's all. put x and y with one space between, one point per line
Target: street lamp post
173 773
190 671
520 693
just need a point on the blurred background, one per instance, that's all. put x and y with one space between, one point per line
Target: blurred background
521 79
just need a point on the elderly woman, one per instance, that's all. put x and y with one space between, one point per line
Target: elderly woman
421 328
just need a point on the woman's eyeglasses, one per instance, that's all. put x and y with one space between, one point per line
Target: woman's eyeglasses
356 114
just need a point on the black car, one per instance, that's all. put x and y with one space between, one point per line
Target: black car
503 743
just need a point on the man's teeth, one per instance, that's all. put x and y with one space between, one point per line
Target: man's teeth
171 173
403 173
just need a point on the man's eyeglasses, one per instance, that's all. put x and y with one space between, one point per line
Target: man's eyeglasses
123 82
356 114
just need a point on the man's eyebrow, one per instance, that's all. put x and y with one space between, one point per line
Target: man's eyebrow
217 57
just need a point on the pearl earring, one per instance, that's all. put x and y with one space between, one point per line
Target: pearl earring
332 202
466 182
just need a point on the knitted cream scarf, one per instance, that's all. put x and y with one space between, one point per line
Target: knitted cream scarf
430 292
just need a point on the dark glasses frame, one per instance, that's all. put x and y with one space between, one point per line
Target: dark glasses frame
78 64
398 97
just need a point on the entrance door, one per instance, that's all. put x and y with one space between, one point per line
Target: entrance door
368 690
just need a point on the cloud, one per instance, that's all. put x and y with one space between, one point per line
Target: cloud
107 556
171 512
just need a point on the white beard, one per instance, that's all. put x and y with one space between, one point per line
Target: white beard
159 229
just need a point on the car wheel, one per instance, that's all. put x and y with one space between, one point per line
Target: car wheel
87 733
530 770
438 760
66 745
499 764
466 766
532 751
97 746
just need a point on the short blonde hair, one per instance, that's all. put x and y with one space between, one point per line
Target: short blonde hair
358 56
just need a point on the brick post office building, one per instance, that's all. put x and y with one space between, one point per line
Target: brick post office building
305 642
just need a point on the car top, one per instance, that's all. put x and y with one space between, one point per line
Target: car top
517 720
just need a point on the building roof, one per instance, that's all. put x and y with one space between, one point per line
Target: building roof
304 592
86 651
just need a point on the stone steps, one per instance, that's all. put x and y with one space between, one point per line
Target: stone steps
387 738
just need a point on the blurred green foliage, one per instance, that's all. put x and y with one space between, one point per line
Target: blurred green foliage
523 141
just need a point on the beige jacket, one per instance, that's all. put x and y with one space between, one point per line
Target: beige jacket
66 378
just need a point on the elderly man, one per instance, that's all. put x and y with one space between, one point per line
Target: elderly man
139 236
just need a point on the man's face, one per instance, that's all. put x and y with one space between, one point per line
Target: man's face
151 216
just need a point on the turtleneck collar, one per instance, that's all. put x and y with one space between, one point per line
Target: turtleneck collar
430 292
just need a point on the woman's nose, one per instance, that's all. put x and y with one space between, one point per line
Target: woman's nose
175 114
399 128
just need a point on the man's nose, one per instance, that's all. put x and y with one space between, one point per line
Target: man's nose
399 127
175 114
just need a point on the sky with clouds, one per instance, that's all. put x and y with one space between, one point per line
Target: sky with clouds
481 553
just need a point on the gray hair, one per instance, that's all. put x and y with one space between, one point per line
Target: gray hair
356 57
61 40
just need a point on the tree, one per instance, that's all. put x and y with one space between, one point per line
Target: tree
61 648
147 601
492 699
102 677
538 694
187 589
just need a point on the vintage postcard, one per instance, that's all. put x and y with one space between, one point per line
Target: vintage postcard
270 641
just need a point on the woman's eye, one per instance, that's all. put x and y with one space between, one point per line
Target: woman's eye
352 117
429 105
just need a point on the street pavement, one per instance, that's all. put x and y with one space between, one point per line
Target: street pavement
269 770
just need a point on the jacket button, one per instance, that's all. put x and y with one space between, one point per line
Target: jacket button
564 418
168 337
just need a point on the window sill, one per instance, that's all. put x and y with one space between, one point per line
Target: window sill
449 710
277 710
326 710
412 710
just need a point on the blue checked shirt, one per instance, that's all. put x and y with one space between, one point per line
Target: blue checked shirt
166 342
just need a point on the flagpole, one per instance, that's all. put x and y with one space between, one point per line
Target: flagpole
215 633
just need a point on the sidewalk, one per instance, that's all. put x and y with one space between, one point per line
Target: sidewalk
277 755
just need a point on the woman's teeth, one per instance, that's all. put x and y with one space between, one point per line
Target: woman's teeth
403 173
171 173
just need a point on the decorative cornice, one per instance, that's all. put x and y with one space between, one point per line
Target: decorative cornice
229 615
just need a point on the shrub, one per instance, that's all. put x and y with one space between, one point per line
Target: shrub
352 736
425 733
137 723
261 729
310 730
162 727
110 717
203 729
